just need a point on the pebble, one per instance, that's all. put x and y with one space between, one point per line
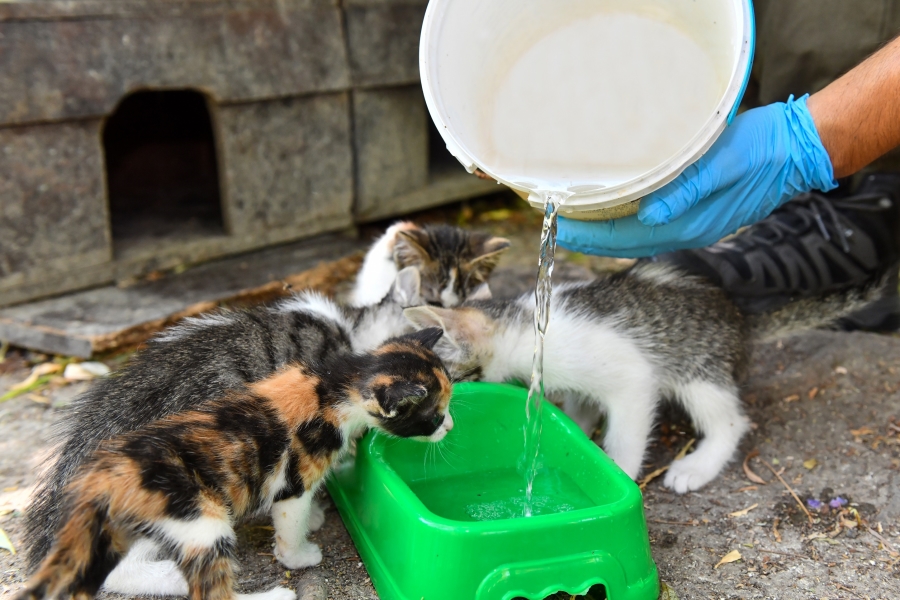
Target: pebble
312 586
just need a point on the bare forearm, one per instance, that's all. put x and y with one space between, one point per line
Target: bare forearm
858 115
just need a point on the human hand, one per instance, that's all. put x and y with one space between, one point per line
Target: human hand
763 159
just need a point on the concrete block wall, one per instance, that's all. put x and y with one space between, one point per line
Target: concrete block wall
316 109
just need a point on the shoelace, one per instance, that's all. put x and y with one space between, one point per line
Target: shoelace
815 208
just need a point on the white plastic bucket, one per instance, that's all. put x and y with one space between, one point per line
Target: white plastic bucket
608 99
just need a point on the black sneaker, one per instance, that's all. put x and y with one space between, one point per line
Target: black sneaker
815 243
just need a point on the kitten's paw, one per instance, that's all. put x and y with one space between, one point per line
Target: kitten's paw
306 554
316 516
690 473
278 593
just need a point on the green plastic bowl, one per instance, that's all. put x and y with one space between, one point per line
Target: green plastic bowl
444 523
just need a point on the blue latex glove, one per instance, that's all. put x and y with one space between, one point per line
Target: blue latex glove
763 159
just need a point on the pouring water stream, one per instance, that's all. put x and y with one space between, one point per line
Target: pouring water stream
542 296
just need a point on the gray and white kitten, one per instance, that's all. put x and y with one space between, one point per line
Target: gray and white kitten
626 342
454 264
186 365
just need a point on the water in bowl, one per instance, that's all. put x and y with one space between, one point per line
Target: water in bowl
500 494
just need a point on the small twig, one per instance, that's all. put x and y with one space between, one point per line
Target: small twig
880 538
764 551
846 589
651 476
685 523
789 488
683 452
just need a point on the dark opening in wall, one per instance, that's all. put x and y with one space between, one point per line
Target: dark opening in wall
161 169
439 158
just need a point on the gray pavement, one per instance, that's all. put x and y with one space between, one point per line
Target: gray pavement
826 414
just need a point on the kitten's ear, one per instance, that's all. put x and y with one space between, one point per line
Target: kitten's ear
397 394
410 247
424 317
482 292
428 337
489 255
407 289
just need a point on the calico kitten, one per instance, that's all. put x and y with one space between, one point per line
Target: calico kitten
185 480
624 343
184 366
454 263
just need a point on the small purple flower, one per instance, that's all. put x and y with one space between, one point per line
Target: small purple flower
838 502
814 504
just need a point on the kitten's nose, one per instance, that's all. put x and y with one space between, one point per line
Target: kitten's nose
448 422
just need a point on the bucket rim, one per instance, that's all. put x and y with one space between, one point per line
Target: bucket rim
586 198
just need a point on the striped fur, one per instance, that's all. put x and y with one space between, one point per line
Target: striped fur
454 263
202 358
185 480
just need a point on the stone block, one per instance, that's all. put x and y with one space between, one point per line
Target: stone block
243 52
53 210
47 10
287 164
391 141
106 318
383 41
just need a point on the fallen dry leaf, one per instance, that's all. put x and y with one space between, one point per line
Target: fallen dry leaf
36 373
749 473
746 488
731 557
6 543
810 464
861 431
812 393
743 511
666 592
792 398
38 398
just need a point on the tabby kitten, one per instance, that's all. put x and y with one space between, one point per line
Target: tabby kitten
185 480
624 343
454 263
184 366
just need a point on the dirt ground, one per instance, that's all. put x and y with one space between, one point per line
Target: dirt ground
825 408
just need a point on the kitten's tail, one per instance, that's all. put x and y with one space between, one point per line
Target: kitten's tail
811 313
81 558
87 546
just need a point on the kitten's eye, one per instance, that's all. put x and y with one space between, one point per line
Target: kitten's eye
433 303
437 420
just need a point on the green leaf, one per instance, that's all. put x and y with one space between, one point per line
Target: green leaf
40 382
